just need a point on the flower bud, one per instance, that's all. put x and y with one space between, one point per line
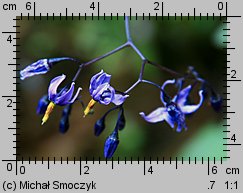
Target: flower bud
42 105
99 126
204 89
64 124
179 83
121 122
67 110
216 102
111 144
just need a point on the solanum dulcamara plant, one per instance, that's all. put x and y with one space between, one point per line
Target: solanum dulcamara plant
173 109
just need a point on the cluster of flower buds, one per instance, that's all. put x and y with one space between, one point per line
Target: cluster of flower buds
112 140
216 100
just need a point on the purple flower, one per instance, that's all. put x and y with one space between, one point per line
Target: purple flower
175 110
102 92
61 98
41 66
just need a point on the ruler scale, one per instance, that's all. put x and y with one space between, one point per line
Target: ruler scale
129 173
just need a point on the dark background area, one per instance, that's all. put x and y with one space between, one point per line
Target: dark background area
172 43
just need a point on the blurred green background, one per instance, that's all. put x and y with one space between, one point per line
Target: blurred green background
172 43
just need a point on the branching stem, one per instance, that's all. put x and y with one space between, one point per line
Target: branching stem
129 43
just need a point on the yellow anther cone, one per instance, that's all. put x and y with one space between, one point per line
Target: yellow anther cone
89 107
49 109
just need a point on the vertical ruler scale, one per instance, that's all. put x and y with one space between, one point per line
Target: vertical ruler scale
218 173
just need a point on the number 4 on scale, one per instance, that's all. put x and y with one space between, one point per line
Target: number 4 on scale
148 170
9 39
93 5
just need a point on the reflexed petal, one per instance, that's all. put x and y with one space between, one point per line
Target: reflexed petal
76 95
65 96
163 87
99 90
52 90
93 85
104 94
107 96
155 116
187 109
119 99
103 78
93 79
98 79
181 98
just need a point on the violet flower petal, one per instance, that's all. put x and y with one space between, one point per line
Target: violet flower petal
99 90
163 87
107 96
155 116
94 77
119 99
103 78
98 79
181 97
104 94
76 95
188 109
52 90
65 96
